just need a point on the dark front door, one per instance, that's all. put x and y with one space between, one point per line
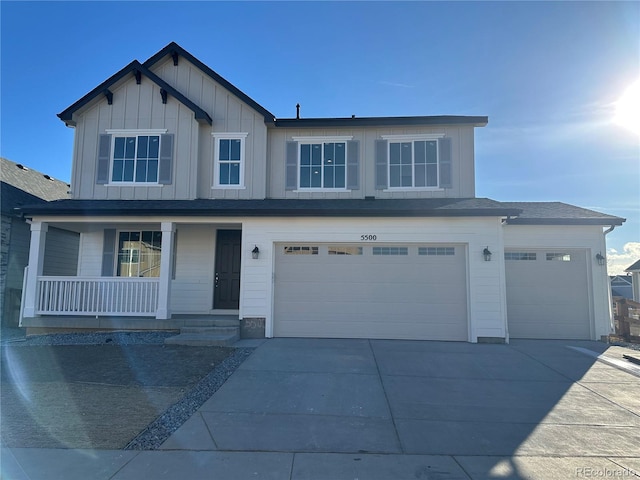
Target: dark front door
227 274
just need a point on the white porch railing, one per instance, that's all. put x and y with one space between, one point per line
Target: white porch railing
97 296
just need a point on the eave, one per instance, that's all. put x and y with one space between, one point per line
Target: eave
476 121
136 69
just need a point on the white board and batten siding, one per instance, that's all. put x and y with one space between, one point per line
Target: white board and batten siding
480 299
557 298
229 115
462 161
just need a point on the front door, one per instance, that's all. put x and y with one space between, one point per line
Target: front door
227 274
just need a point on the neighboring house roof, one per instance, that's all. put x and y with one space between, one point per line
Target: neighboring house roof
23 186
633 268
410 207
103 89
558 213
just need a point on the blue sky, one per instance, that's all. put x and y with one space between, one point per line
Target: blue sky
546 74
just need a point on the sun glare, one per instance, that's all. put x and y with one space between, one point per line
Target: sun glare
628 108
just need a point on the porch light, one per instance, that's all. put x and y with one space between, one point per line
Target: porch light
255 253
486 254
600 258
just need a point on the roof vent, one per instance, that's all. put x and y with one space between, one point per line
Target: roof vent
47 177
22 167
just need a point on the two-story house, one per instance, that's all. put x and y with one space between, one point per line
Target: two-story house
191 198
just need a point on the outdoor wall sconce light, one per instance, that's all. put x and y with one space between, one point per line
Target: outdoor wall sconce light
600 258
486 254
255 253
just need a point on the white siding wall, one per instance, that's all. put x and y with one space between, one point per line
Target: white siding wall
61 253
486 292
90 257
462 157
590 238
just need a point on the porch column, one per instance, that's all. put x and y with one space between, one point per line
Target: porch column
166 262
35 267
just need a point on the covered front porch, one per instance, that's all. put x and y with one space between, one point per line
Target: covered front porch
134 275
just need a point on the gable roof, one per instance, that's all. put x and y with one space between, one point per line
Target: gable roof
24 186
174 48
633 268
558 213
67 115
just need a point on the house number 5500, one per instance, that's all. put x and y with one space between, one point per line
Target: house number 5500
368 237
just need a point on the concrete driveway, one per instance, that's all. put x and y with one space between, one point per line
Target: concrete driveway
472 406
307 409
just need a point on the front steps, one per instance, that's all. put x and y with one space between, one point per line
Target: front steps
210 332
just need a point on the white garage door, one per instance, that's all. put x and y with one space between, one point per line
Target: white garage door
371 291
547 294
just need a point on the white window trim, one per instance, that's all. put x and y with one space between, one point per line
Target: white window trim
322 139
242 136
412 138
120 132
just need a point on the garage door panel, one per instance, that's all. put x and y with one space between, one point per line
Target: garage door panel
371 296
548 298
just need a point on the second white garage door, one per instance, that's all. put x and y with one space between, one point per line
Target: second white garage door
547 294
371 291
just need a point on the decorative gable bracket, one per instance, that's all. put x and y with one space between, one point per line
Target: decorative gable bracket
109 95
174 55
163 94
138 75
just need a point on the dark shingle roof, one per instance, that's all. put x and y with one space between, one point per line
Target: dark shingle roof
23 186
416 207
633 268
381 121
558 213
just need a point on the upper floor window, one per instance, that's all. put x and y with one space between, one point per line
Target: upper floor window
135 157
413 162
322 163
229 160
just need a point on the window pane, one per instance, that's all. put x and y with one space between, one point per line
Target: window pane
329 153
421 175
305 177
128 171
420 152
316 177
405 153
394 154
154 146
224 174
340 155
152 171
316 155
234 174
432 175
235 149
338 250
340 174
300 250
432 151
118 150
406 176
224 149
130 148
117 170
141 171
305 154
328 177
143 146
394 176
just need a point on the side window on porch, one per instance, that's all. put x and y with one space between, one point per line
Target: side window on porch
139 254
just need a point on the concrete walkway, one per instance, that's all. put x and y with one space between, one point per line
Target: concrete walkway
360 409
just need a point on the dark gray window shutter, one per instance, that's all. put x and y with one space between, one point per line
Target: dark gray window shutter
381 164
353 165
108 252
165 168
104 159
444 147
291 166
